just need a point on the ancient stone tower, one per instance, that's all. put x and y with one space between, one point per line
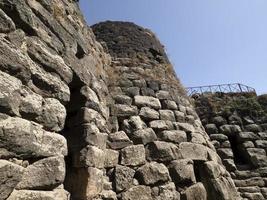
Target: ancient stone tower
83 122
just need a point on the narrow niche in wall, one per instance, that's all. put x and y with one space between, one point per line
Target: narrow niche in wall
76 180
240 157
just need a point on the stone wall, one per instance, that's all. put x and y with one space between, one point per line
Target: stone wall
78 124
236 124
157 148
51 67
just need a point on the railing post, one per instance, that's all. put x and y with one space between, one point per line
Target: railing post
239 85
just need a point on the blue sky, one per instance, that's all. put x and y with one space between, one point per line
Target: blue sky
208 41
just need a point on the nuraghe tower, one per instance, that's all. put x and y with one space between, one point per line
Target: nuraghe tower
84 122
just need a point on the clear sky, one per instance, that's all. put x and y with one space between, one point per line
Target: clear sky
208 41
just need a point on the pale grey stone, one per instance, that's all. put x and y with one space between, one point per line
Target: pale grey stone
195 192
123 110
123 99
167 115
10 176
7 25
111 158
162 151
144 136
188 128
119 140
89 156
137 192
58 194
149 113
143 101
193 151
123 177
152 173
45 174
175 136
26 139
161 125
133 155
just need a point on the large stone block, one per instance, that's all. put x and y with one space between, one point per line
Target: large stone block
57 194
167 115
45 174
40 53
193 151
149 113
223 188
111 158
123 110
175 136
9 94
10 176
144 136
161 125
137 192
89 156
6 24
162 151
25 139
119 140
182 172
133 155
123 177
152 173
164 192
195 192
143 101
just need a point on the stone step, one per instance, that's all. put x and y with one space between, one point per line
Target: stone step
253 196
255 181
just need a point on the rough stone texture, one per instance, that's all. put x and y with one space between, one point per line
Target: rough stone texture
44 174
182 172
50 66
151 108
10 176
121 121
152 173
240 142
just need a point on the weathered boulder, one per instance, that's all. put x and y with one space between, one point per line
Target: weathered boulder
119 140
164 192
133 155
162 151
45 174
25 139
10 176
144 136
175 136
149 113
182 172
193 151
143 101
6 24
123 177
137 192
195 192
58 194
152 173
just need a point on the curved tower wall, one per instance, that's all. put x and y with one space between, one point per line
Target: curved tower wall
157 144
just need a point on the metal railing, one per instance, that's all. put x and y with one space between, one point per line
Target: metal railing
223 88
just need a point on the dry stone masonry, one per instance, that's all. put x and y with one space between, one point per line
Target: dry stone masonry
159 148
98 114
236 124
